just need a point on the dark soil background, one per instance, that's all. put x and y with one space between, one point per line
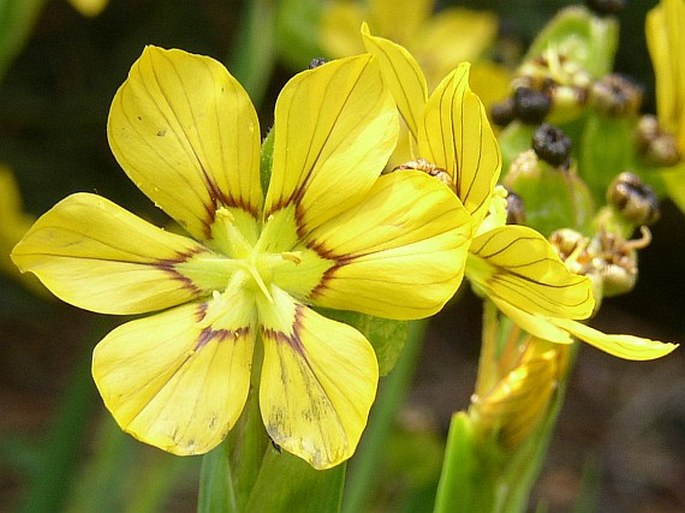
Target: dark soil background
623 423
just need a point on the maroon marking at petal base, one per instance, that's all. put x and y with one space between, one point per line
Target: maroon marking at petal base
327 276
169 264
208 335
201 312
293 340
220 199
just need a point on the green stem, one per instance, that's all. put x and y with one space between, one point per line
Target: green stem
361 482
252 57
230 471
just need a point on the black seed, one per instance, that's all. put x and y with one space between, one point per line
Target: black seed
552 145
531 106
316 62
606 7
502 113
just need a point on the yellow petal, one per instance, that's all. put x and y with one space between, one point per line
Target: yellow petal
536 325
318 382
399 254
94 254
335 129
666 44
179 380
623 346
186 133
402 75
456 136
517 265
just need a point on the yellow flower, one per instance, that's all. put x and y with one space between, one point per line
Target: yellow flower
514 266
667 46
439 41
329 232
15 223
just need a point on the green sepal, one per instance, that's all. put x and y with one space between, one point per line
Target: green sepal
387 336
513 140
588 40
266 159
286 484
606 149
468 481
552 198
604 152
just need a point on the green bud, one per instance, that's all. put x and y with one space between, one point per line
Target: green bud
555 197
582 38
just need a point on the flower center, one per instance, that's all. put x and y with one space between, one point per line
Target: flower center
259 257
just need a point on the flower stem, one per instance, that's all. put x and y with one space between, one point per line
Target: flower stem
364 467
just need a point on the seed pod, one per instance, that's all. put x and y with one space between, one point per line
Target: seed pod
551 145
656 146
502 113
516 213
635 201
531 106
615 95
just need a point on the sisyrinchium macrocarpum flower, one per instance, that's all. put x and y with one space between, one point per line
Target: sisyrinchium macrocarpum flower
439 40
513 266
329 232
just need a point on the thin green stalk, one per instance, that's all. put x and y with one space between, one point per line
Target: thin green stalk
465 484
252 57
361 483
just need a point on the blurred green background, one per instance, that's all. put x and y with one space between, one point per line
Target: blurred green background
620 445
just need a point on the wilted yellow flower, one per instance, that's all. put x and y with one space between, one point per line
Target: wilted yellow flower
329 232
514 266
438 41
514 405
664 31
